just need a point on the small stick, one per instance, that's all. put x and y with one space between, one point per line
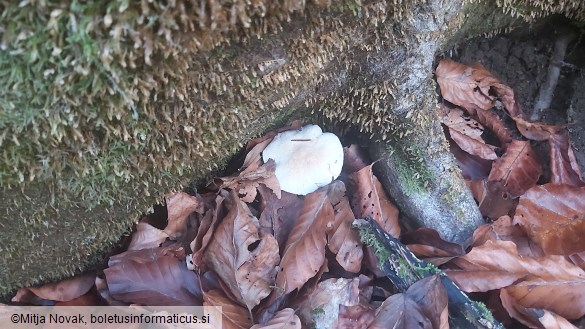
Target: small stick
547 89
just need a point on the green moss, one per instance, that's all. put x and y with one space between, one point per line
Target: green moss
413 174
369 239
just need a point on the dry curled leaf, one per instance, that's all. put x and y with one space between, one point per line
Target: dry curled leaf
62 291
355 317
466 132
146 237
243 258
304 253
234 316
536 131
518 169
165 281
554 217
400 312
368 198
563 164
179 206
344 241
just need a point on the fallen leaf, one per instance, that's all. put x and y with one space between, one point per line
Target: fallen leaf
234 316
247 182
490 121
61 291
245 260
165 281
496 201
368 198
503 229
207 227
304 253
563 164
179 206
497 264
473 146
472 167
320 307
90 298
518 168
554 217
399 311
355 317
461 84
278 216
430 295
536 131
146 236
466 132
427 244
284 319
344 241
564 297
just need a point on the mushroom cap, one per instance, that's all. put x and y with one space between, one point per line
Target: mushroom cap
305 159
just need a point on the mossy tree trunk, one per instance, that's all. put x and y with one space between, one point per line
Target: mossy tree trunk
111 105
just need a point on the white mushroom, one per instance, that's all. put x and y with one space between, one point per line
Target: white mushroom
305 159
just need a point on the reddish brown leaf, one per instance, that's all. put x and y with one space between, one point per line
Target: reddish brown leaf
368 198
466 132
473 146
164 281
563 164
518 168
304 253
430 295
490 121
355 317
344 241
427 244
461 84
472 167
554 217
247 182
179 206
62 291
146 237
399 311
535 130
90 298
504 229
497 264
496 201
327 298
234 316
207 227
353 159
278 216
245 260
284 319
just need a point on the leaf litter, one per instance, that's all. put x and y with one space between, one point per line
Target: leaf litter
272 259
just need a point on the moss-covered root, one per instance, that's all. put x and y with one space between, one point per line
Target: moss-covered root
404 269
427 186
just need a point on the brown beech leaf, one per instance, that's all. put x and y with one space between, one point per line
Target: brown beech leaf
179 206
304 253
283 319
496 201
327 297
243 258
353 159
461 84
472 167
518 168
368 198
466 132
497 264
207 227
490 121
90 298
67 289
563 297
536 131
554 217
165 281
504 229
430 295
278 216
563 164
355 317
247 182
146 237
234 316
344 241
473 146
400 312
427 244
